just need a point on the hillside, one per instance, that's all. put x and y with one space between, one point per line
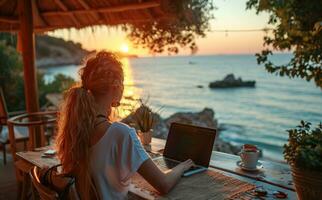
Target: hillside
51 51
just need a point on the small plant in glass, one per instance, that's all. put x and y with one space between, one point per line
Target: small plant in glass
145 119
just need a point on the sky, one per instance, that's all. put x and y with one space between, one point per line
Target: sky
229 15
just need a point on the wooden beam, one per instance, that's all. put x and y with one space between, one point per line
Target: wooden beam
116 22
38 20
9 20
65 9
108 22
87 7
110 9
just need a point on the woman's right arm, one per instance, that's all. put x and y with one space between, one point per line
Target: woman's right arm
163 181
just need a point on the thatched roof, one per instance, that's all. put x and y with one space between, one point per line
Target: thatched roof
55 14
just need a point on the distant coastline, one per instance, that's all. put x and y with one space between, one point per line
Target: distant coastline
49 62
56 52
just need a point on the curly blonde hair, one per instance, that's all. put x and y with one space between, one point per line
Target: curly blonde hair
101 73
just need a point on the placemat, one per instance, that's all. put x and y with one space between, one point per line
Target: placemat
206 185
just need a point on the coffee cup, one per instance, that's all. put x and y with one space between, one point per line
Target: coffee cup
249 156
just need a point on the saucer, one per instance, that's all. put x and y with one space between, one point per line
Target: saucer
241 165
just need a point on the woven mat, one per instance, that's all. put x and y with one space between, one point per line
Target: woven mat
206 185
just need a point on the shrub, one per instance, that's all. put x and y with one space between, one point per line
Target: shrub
304 148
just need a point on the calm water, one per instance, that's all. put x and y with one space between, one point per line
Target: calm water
258 115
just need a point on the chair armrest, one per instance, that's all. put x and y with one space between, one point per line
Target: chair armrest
14 113
19 112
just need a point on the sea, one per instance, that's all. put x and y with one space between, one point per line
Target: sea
260 115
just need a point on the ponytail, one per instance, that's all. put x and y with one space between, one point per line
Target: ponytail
76 124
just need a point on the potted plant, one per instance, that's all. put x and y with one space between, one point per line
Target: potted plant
144 120
304 154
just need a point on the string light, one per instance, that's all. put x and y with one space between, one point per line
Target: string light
242 30
226 31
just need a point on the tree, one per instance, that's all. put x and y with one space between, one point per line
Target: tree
187 20
60 83
299 29
11 78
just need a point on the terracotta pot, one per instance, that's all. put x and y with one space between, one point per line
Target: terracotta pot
308 184
145 137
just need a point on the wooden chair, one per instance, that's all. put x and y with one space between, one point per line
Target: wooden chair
21 134
42 192
37 124
58 181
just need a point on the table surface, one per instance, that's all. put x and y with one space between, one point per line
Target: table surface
275 173
273 177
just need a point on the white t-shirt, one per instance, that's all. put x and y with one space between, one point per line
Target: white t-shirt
114 159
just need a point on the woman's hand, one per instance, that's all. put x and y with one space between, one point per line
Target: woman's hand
186 165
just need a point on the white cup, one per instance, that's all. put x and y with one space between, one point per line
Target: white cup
249 158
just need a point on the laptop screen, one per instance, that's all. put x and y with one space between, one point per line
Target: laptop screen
187 141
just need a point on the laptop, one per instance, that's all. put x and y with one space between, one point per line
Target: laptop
187 142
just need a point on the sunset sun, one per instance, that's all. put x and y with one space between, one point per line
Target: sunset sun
124 48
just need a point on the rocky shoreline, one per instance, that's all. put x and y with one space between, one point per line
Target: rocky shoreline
205 118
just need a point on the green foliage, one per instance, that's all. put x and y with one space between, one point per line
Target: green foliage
187 20
12 83
60 83
8 39
11 76
299 29
304 148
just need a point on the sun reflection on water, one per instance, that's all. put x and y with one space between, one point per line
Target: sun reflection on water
130 94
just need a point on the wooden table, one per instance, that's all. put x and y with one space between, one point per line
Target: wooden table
273 177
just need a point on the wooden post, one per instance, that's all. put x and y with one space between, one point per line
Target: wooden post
27 40
28 54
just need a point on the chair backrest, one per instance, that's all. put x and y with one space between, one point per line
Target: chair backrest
36 123
44 192
58 185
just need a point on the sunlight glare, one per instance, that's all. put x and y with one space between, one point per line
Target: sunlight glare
124 48
130 95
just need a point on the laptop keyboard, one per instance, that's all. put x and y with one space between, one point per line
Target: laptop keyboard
166 164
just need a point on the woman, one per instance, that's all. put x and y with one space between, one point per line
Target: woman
97 151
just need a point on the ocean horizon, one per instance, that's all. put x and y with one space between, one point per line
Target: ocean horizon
259 115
